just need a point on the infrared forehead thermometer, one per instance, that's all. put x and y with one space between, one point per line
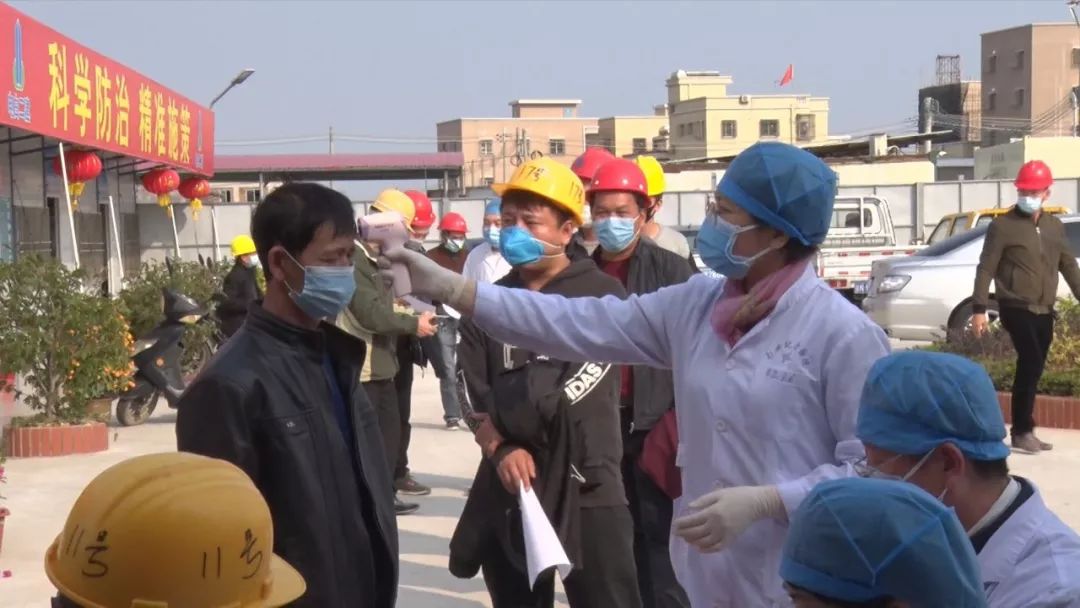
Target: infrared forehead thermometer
388 230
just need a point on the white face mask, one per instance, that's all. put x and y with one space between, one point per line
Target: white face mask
864 470
454 245
1029 204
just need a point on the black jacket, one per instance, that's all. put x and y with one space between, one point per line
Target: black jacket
264 404
241 289
565 414
651 268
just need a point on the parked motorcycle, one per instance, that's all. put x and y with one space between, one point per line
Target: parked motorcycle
158 360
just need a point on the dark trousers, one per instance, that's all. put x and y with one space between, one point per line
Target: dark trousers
652 509
605 580
403 382
1031 337
383 397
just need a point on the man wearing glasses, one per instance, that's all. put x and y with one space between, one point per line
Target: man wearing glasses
933 420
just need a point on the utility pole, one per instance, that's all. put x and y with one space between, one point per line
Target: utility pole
928 122
1076 91
502 153
330 141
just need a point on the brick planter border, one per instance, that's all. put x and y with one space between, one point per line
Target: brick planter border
1050 412
30 442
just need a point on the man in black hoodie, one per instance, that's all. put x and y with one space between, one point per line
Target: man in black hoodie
545 425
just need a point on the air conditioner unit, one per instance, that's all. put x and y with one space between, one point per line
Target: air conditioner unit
744 99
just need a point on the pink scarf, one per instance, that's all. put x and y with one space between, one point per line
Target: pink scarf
736 312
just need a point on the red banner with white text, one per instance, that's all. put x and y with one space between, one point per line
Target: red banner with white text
59 88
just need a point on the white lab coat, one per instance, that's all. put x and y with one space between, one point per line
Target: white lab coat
778 408
1032 560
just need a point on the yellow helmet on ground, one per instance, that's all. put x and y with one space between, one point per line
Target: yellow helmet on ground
171 530
242 245
654 174
551 180
396 200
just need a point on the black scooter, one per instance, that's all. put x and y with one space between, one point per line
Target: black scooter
157 358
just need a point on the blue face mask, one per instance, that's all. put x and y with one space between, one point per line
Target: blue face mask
491 235
616 233
519 247
1029 204
327 290
715 244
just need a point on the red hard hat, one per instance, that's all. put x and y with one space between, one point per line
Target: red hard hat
619 175
425 215
586 165
453 222
1034 176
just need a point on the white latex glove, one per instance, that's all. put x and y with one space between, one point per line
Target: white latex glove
431 280
722 515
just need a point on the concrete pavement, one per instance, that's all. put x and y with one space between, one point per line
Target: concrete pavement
41 491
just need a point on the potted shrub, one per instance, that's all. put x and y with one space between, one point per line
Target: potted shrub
70 347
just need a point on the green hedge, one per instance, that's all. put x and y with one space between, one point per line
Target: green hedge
995 352
1056 382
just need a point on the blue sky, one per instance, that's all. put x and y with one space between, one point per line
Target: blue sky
394 69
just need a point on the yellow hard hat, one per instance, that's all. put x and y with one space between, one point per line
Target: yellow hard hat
551 180
396 200
242 245
171 530
654 174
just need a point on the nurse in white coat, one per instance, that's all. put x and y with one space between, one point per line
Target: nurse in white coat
767 364
933 419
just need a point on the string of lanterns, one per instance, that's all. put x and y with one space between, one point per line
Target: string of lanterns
85 166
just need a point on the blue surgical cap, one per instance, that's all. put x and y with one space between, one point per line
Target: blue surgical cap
855 540
493 207
784 187
914 401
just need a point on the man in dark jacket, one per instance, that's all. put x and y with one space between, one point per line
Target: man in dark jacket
241 285
1023 252
619 202
282 400
551 423
450 254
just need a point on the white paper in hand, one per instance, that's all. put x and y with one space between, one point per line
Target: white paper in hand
542 547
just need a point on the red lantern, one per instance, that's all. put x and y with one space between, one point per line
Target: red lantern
194 189
82 166
161 182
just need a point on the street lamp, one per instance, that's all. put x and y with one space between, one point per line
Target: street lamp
240 78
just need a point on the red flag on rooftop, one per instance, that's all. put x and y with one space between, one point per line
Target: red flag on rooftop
788 74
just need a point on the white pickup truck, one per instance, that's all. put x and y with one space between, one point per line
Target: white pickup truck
861 233
852 246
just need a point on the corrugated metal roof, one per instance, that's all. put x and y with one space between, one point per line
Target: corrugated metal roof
337 162
304 167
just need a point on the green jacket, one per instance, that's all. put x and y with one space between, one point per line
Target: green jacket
1023 259
370 316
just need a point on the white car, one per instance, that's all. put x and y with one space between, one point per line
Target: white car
921 296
